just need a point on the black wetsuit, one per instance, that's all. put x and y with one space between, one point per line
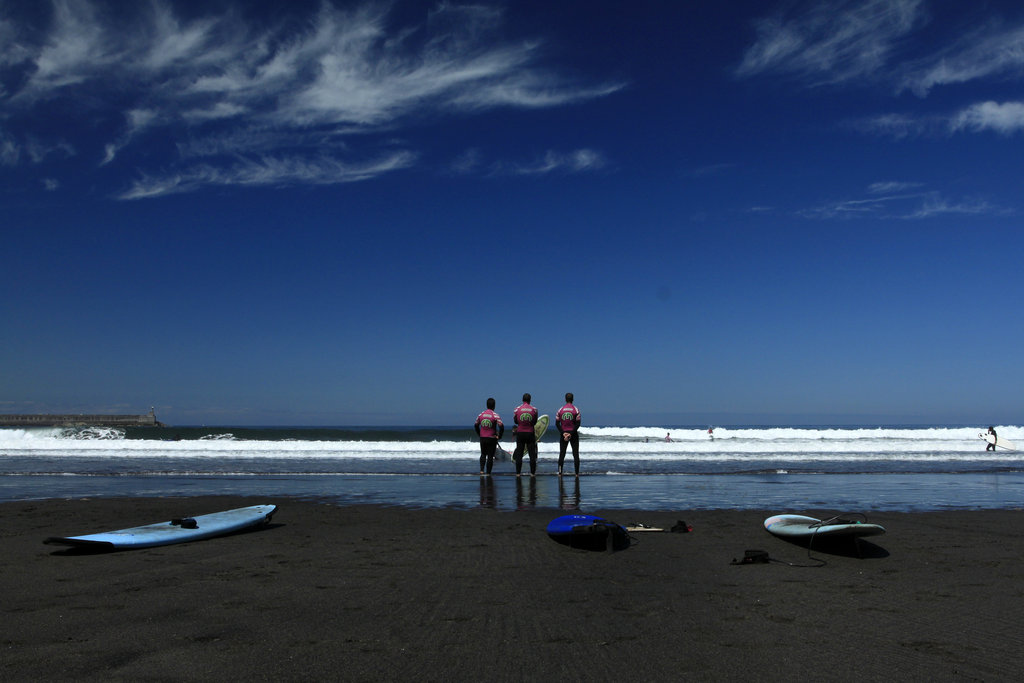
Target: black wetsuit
489 444
574 441
525 417
488 447
569 419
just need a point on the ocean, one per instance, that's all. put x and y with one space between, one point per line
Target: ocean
900 468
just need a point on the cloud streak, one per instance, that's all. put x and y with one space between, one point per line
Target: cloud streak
1005 118
871 42
832 42
267 172
900 200
575 161
227 83
984 53
585 160
875 41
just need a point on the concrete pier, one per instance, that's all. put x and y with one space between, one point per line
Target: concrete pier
147 420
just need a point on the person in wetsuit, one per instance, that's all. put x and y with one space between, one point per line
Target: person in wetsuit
490 429
992 444
569 427
525 417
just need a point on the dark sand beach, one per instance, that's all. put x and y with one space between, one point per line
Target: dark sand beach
378 593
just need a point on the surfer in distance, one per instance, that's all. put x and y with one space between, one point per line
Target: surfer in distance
569 419
525 417
489 428
991 446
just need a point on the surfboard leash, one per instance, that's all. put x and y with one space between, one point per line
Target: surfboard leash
762 557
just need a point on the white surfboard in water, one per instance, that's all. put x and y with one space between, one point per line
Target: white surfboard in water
1001 443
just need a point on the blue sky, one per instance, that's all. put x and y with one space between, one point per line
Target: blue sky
383 213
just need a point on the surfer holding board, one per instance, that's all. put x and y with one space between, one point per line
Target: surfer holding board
993 441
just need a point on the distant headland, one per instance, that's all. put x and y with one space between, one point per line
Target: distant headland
147 420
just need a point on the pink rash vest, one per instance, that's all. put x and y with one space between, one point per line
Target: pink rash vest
488 422
568 418
525 417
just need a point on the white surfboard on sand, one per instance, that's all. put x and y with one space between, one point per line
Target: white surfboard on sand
801 526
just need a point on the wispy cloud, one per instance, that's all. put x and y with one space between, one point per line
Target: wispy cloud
992 50
137 120
576 161
831 42
890 187
267 172
223 81
900 200
934 204
892 125
14 151
1005 118
855 208
551 161
10 151
879 41
468 162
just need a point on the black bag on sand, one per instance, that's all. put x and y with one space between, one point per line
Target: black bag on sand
753 557
681 527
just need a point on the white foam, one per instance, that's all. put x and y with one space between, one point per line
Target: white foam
789 444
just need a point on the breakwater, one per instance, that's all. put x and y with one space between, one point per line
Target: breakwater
81 420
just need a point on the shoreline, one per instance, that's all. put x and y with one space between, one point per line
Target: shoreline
369 592
898 492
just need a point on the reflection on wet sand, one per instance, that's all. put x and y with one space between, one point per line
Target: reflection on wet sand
569 501
527 499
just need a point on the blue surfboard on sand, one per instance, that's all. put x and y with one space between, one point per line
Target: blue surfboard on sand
174 531
588 532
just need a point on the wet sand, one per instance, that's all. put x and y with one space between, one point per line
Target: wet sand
378 593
